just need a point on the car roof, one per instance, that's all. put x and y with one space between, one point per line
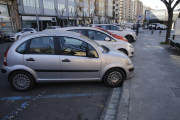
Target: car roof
69 28
51 33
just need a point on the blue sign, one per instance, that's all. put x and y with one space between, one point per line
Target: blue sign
148 18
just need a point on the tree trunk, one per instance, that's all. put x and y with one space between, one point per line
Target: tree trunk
168 34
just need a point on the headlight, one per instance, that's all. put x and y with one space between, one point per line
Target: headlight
130 46
133 33
128 62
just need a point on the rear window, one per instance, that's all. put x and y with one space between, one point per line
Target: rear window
22 48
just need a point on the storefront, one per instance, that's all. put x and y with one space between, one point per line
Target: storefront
6 24
44 22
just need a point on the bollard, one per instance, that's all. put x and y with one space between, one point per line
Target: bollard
173 37
159 32
152 32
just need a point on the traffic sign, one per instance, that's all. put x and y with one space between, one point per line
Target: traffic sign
148 18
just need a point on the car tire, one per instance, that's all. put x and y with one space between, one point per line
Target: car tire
114 77
21 81
129 38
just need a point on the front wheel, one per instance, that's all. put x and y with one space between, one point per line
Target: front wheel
129 38
114 77
21 81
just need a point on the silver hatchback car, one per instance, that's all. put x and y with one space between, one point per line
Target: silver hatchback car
63 56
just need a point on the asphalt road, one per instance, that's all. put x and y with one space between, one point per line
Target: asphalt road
52 101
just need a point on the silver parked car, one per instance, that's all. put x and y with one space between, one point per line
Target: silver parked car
63 56
14 36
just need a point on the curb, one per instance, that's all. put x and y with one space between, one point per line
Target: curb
123 108
111 107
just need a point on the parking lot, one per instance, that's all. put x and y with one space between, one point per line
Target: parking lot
53 101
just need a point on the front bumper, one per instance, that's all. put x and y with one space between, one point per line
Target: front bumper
129 71
130 51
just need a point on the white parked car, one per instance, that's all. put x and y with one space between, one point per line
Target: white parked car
14 36
52 27
103 38
114 29
161 27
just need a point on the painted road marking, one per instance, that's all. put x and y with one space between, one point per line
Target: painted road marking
52 96
11 115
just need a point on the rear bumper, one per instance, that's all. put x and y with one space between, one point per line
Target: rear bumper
5 71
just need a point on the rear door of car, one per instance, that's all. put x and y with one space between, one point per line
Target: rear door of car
42 57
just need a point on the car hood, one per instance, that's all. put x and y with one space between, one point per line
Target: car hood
13 34
117 53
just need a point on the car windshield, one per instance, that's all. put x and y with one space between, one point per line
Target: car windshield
92 41
106 31
49 27
18 30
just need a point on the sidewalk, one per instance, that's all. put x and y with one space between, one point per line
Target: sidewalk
154 90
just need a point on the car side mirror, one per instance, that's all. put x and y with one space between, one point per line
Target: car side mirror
31 31
91 55
22 32
107 39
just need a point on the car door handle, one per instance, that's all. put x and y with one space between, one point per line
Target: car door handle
30 59
66 60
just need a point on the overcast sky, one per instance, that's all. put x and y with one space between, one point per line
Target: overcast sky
154 3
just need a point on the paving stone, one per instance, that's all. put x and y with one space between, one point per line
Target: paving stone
109 117
165 91
171 111
112 106
176 91
111 112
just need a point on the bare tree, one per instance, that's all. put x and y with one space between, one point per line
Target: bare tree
60 13
170 7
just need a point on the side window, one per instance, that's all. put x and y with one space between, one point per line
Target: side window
113 27
22 48
74 47
26 30
92 50
42 45
79 31
96 35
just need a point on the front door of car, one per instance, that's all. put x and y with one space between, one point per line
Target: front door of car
75 60
99 37
42 58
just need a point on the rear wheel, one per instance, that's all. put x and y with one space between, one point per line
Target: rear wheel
21 81
114 77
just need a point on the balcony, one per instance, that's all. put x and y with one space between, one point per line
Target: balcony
79 4
116 2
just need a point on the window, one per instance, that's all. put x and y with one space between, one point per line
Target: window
92 50
61 7
71 8
48 5
22 48
42 45
74 47
31 3
104 26
114 28
79 31
96 35
25 30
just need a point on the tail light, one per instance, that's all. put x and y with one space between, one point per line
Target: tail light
5 57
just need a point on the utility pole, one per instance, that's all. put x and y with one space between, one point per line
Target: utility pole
36 16
137 27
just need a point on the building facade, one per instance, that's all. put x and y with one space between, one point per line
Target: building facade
138 8
116 4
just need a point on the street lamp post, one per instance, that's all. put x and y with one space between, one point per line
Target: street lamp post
137 27
36 16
